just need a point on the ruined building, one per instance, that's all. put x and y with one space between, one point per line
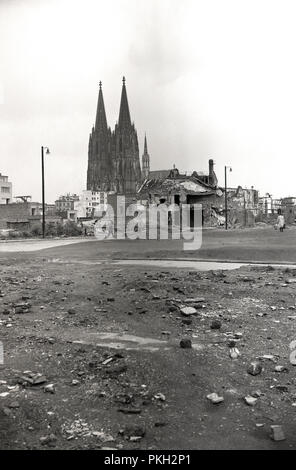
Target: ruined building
113 156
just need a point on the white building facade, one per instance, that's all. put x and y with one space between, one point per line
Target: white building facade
5 190
88 202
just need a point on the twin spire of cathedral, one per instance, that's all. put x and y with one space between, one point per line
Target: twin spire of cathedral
113 156
124 120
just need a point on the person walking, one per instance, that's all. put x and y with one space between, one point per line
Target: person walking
281 222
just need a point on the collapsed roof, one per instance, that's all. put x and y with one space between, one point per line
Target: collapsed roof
172 182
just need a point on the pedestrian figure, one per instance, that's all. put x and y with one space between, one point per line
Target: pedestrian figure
281 222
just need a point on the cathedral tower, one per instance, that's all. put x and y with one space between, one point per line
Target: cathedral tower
113 157
99 151
125 150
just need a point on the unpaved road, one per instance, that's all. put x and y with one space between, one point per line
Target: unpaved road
264 245
107 338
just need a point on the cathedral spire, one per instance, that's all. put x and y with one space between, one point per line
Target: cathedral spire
101 120
124 114
145 161
145 145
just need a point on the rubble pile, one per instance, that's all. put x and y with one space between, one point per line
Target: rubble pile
223 356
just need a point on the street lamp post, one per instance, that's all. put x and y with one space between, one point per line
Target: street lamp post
43 188
226 210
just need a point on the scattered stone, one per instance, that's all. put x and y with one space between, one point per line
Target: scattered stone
185 343
72 311
238 335
251 401
48 440
159 396
194 300
280 369
216 325
103 436
30 378
23 307
50 388
268 357
214 398
107 361
255 368
133 431
173 308
277 433
234 353
187 311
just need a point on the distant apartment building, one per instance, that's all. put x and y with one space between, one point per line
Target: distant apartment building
88 201
268 205
66 203
5 190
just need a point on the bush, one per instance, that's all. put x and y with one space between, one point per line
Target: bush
14 234
36 230
26 234
51 229
60 229
71 229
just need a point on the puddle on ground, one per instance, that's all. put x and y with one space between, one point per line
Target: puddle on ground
198 265
130 342
160 263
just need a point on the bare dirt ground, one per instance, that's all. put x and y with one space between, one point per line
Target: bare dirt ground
262 244
92 355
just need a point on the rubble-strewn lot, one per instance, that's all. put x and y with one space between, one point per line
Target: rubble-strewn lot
63 386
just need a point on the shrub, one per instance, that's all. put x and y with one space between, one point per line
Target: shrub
59 229
14 234
71 229
36 230
50 229
25 234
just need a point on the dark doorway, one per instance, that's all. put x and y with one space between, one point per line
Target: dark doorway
177 199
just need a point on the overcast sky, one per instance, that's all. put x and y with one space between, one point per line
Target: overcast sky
205 79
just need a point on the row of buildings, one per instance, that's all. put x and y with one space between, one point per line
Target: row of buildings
114 168
245 206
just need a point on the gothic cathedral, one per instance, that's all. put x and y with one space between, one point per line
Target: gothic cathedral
113 156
